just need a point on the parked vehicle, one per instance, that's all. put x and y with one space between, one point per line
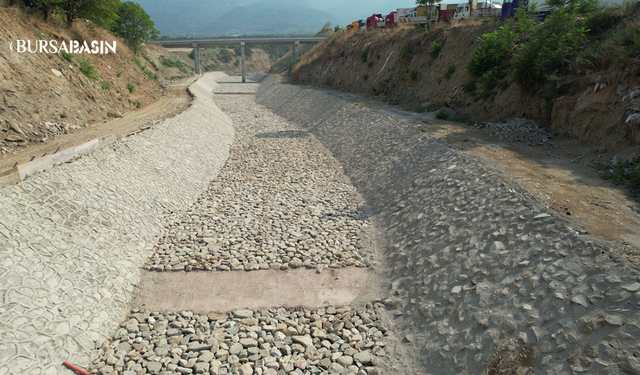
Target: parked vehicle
353 26
362 24
510 7
481 10
390 20
446 12
410 16
374 20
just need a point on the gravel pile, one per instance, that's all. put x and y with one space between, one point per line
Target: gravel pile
331 340
280 202
520 130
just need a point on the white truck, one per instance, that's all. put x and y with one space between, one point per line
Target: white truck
480 10
415 16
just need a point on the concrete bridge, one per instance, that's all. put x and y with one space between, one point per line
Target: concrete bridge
219 42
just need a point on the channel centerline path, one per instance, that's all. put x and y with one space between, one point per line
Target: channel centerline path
266 273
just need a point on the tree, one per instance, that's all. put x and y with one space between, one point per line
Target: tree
46 6
100 12
134 25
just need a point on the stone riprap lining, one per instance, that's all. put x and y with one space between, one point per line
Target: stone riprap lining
267 342
280 202
73 238
475 261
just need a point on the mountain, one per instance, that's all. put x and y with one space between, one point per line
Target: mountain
187 17
206 18
271 17
347 12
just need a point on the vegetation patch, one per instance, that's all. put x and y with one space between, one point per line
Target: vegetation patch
469 85
450 69
624 172
67 56
88 69
405 52
434 49
364 54
146 71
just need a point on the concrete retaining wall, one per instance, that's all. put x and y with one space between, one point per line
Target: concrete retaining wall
72 239
475 261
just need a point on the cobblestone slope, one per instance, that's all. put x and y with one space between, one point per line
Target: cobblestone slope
72 239
475 261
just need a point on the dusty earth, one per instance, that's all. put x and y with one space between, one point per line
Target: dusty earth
566 176
176 100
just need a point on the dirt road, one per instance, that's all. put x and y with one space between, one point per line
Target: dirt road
176 100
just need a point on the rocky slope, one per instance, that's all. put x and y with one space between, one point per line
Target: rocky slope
44 95
478 268
601 108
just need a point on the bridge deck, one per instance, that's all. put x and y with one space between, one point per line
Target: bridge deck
217 42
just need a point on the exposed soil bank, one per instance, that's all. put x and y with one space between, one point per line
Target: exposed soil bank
475 260
396 65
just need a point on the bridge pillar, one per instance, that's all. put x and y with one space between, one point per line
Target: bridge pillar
244 78
196 57
295 50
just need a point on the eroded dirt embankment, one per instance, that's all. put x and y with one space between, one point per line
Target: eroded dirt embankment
475 261
396 65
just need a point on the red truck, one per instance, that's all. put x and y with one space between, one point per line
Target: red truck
375 20
446 12
391 20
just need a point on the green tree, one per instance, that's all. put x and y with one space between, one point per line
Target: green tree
100 12
134 25
46 6
225 55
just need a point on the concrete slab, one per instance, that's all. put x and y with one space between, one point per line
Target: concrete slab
204 292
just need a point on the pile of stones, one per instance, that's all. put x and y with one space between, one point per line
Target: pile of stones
341 340
520 130
278 203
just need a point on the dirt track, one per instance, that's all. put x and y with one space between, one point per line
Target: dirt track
176 100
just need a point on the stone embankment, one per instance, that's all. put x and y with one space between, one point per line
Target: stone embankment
472 261
280 203
276 341
475 262
73 238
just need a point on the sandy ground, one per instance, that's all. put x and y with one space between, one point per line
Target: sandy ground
175 101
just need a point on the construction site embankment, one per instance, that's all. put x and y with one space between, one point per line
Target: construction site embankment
478 269
74 237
